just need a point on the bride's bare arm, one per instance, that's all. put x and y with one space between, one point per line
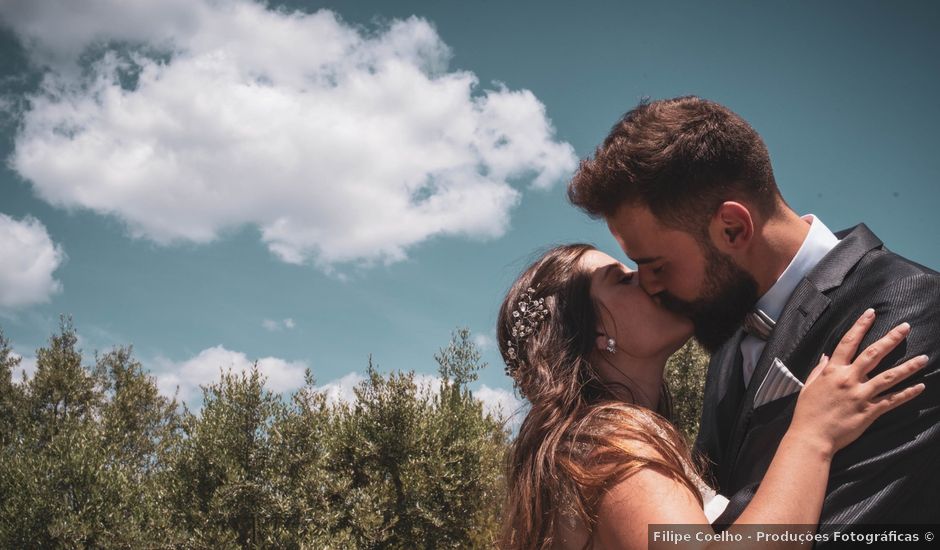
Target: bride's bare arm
837 404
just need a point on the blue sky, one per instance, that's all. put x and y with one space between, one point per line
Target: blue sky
223 182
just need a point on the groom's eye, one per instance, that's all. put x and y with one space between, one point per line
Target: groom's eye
657 270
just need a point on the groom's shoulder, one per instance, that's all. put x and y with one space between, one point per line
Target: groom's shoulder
863 271
889 268
877 266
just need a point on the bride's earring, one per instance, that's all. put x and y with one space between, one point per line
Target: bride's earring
611 346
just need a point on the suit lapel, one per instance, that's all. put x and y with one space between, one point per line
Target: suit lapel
723 393
729 363
718 411
804 307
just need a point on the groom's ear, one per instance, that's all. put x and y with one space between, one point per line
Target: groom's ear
732 227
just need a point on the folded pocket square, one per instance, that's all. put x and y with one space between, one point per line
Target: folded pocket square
778 383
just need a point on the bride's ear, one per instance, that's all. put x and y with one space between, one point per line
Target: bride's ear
600 341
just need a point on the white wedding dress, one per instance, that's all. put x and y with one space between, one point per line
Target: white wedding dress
714 503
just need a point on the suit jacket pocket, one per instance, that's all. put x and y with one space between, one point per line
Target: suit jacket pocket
767 425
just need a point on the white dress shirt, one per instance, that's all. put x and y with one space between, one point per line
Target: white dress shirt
819 241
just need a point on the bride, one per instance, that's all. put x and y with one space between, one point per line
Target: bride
596 462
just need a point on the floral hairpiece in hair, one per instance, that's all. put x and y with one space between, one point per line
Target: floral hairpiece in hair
529 312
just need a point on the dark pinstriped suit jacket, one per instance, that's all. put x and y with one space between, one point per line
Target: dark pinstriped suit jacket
890 474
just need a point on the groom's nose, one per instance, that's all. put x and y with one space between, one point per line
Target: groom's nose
649 282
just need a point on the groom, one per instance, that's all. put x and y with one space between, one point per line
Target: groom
686 188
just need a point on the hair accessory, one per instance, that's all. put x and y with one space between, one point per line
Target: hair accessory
529 313
611 346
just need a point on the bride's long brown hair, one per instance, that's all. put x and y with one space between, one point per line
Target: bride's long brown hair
579 436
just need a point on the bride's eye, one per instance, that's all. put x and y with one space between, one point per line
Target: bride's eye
626 279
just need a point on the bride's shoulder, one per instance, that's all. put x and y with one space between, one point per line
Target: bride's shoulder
646 497
624 429
623 439
638 460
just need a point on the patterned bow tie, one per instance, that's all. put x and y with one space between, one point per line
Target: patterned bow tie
758 324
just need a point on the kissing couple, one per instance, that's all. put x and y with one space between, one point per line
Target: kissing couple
822 397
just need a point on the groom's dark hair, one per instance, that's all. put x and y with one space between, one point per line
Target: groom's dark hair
681 158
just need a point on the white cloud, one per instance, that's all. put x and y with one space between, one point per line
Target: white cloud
205 368
26 366
338 145
274 326
341 390
501 403
483 342
57 31
496 401
428 383
29 259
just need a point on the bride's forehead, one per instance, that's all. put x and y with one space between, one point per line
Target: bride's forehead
594 260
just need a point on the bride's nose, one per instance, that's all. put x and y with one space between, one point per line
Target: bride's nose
634 277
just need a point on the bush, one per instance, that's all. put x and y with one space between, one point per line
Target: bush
685 376
95 457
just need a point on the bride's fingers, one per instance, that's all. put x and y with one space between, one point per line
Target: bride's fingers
892 376
893 400
845 351
873 354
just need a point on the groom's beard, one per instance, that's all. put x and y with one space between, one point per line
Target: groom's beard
728 295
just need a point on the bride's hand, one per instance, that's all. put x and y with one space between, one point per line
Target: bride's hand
839 401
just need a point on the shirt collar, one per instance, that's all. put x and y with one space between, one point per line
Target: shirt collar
818 242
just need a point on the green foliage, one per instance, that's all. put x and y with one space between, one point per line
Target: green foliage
76 469
685 376
218 475
423 467
10 393
94 456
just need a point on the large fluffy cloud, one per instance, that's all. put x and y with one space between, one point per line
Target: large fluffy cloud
336 144
29 259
